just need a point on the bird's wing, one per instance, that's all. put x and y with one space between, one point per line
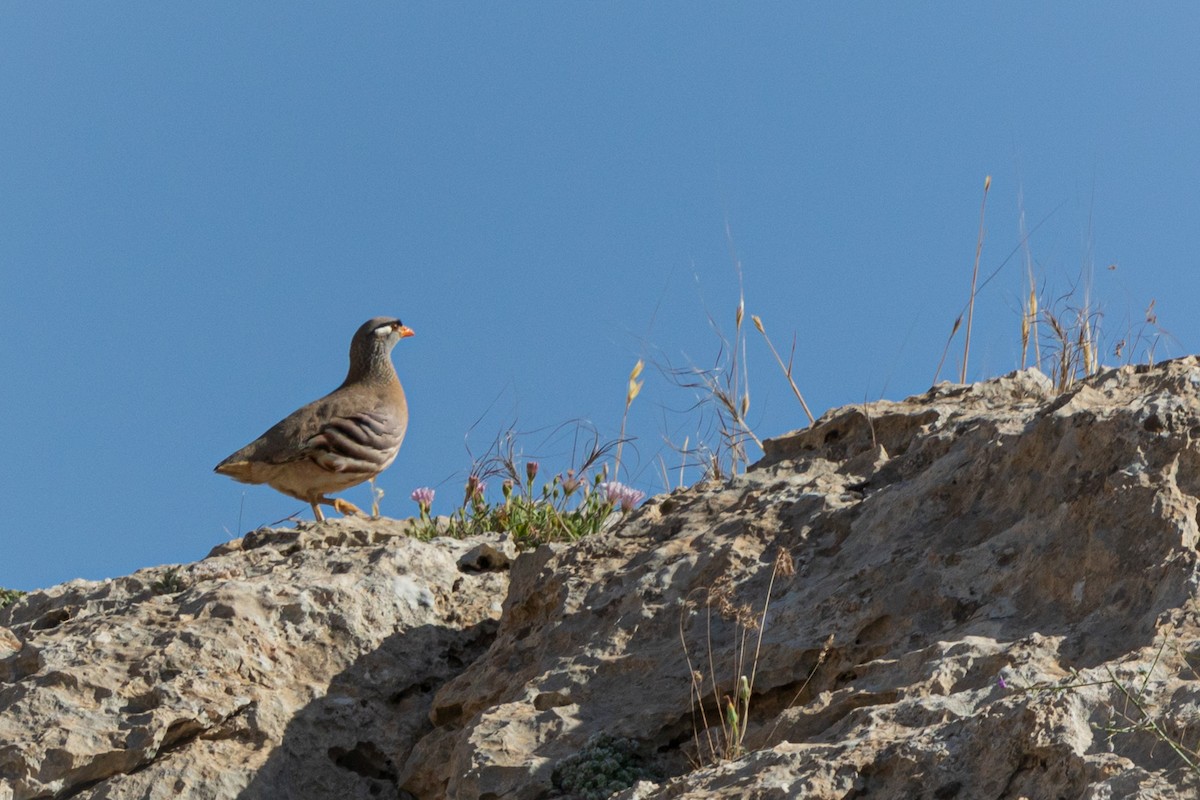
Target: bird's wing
365 441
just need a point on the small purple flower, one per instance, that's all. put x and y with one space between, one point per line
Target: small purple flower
423 497
630 498
1002 683
531 470
474 491
612 492
618 494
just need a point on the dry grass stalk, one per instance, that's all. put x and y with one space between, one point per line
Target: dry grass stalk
1029 315
631 391
1076 355
376 496
1029 328
732 706
1025 236
987 183
724 387
946 349
787 368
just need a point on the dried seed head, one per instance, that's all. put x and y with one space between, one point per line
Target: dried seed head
784 564
746 618
635 386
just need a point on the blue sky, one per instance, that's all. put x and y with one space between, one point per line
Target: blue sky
201 202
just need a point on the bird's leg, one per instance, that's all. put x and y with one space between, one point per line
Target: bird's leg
317 512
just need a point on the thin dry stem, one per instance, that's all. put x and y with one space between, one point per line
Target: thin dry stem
987 183
946 349
787 369
631 391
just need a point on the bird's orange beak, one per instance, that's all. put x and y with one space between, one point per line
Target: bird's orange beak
405 331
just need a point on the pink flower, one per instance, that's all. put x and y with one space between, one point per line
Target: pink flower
630 498
474 491
618 494
423 497
612 492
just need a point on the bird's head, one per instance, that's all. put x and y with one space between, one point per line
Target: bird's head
373 342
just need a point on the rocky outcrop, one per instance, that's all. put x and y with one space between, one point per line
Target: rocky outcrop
985 591
295 663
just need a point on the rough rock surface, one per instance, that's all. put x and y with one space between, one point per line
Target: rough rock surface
993 596
293 663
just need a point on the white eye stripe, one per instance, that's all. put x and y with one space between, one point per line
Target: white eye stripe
384 330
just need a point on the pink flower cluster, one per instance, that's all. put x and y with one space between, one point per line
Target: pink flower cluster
423 497
621 495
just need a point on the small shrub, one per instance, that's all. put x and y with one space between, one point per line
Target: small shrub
169 583
606 764
10 596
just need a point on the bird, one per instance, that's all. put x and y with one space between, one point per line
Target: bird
346 437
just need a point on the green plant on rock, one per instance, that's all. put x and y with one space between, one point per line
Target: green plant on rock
10 596
566 508
606 764
169 583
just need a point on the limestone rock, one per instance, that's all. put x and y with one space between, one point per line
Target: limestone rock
983 591
295 663
954 554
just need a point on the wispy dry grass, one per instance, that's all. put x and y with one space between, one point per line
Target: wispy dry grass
1137 711
723 389
728 702
978 286
1067 334
1072 348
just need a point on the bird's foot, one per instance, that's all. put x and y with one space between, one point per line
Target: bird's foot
345 508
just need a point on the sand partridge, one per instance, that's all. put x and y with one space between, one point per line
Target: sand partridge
348 436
